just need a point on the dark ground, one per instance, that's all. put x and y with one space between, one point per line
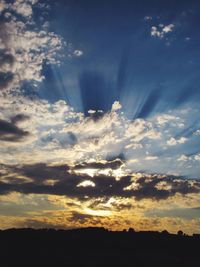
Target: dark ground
97 247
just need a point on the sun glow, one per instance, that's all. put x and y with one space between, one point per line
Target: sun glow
86 183
90 172
102 213
118 173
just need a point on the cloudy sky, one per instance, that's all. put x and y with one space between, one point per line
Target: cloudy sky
99 114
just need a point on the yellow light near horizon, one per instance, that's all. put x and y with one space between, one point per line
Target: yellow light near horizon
102 213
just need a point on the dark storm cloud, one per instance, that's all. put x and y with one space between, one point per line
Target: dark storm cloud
66 184
115 164
18 118
5 79
40 172
5 188
149 188
6 59
10 132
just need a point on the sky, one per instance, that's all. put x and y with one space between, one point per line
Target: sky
99 114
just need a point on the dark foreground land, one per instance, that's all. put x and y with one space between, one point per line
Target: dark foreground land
97 247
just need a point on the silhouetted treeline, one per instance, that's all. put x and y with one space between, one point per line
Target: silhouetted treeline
97 247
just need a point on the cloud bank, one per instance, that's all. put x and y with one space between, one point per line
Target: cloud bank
64 180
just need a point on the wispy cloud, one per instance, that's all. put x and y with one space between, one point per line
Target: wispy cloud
10 132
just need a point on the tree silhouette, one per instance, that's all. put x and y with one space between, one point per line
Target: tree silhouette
180 233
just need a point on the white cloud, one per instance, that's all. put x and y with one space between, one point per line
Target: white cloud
186 158
134 146
78 53
161 31
172 141
91 111
183 158
168 28
69 136
155 32
148 18
3 6
197 157
166 118
151 158
116 106
23 48
23 7
59 135
133 161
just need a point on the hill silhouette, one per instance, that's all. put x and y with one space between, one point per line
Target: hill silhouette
97 247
